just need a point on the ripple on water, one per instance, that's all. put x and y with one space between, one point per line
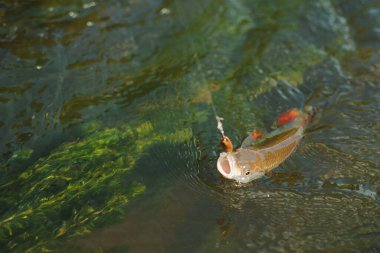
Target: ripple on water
289 220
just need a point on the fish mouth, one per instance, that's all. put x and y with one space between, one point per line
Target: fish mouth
229 169
225 166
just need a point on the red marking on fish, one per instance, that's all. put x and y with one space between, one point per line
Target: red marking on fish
256 134
287 117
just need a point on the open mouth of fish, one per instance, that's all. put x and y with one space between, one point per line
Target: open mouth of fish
228 167
223 165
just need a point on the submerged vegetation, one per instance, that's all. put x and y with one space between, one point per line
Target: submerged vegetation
81 185
105 102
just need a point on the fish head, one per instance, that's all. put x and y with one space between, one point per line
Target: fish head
240 165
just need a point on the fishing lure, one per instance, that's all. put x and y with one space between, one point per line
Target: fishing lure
260 153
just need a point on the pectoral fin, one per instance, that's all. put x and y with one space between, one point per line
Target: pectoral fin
252 138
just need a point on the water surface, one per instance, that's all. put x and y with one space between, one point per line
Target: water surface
108 132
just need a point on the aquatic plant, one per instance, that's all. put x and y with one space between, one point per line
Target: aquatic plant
81 185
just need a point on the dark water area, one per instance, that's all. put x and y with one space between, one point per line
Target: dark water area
108 138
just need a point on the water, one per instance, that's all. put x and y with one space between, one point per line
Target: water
108 133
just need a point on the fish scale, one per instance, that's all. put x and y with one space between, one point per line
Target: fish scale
276 157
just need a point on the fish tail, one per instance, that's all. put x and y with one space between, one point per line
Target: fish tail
327 103
310 113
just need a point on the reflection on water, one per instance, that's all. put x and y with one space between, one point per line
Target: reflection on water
108 131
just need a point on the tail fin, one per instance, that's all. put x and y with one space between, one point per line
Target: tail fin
326 103
310 112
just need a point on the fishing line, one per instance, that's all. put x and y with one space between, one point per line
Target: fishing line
211 100
193 50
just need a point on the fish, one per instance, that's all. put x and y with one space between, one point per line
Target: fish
260 153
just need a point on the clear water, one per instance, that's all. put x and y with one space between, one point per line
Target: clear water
108 132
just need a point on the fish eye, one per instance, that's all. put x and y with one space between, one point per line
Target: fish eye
247 173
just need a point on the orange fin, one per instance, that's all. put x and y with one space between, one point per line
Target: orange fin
287 117
257 134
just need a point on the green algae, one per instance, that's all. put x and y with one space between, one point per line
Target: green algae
79 186
22 154
225 55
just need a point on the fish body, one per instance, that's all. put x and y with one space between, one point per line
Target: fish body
256 156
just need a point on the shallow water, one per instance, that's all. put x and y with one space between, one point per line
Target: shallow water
108 132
